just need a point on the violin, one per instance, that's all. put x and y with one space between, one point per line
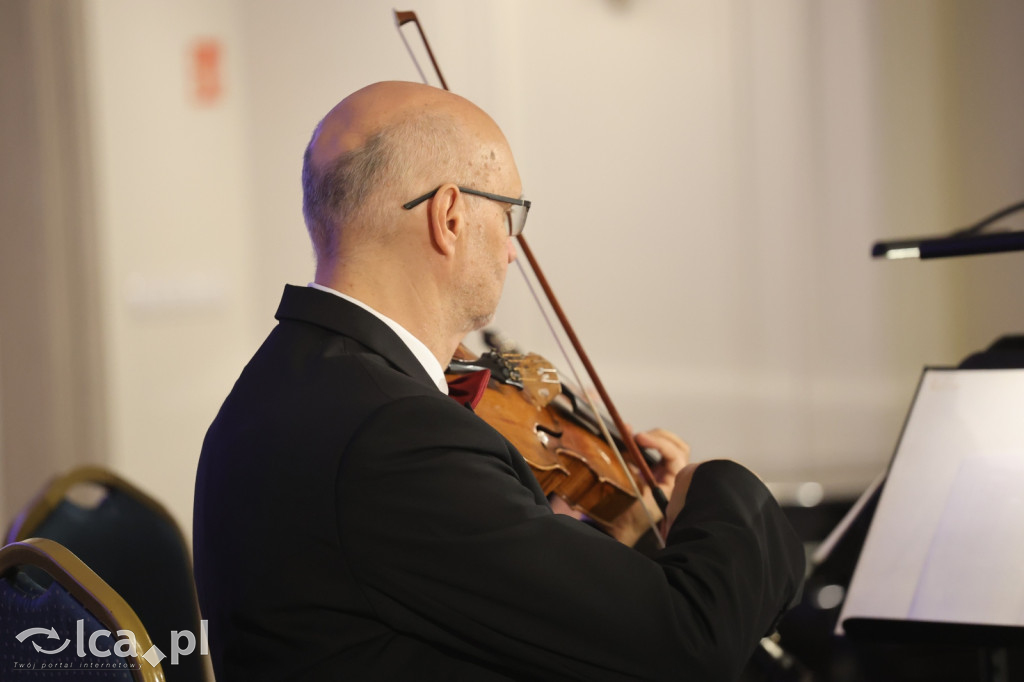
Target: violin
573 452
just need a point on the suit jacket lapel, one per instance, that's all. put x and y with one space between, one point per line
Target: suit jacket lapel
307 304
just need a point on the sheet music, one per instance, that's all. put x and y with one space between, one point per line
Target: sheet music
947 540
986 494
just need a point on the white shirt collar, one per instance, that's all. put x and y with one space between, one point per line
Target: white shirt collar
418 348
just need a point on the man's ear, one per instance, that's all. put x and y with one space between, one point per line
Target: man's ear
447 218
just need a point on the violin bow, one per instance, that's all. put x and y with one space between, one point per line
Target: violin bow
638 460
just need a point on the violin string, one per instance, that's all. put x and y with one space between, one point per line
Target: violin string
554 333
588 397
415 61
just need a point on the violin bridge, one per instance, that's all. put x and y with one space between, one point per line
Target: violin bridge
540 379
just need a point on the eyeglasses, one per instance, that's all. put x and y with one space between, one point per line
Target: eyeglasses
516 213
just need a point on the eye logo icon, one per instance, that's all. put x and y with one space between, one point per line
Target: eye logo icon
50 633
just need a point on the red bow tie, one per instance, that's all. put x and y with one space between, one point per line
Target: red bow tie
468 389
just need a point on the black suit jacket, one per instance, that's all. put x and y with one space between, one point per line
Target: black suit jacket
354 523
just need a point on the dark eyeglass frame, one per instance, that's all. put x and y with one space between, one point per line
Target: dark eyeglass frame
516 215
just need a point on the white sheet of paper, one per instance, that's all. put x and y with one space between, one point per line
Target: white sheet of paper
946 543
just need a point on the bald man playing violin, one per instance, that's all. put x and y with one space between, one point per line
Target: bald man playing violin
352 522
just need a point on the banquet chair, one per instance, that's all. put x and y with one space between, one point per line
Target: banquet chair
57 616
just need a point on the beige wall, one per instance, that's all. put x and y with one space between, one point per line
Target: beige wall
173 206
708 178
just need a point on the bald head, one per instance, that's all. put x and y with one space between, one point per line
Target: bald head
383 145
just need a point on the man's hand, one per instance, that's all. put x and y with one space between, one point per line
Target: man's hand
675 455
678 498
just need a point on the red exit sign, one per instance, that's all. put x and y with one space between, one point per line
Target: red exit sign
206 68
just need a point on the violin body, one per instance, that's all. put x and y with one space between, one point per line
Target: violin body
524 402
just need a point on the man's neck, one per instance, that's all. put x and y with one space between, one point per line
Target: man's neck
411 306
423 354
